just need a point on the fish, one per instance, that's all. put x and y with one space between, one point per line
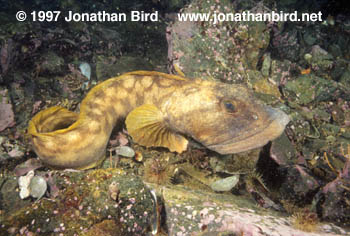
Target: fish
159 110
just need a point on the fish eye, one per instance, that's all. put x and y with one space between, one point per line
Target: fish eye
229 107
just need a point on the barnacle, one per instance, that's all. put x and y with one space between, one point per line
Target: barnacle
113 191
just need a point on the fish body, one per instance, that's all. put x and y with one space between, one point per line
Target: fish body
160 110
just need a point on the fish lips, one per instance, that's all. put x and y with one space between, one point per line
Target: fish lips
274 128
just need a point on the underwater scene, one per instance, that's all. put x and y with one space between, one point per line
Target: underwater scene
177 117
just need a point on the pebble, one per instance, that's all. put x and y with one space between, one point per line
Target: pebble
38 187
125 151
226 184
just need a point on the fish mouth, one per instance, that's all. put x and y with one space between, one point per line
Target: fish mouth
275 127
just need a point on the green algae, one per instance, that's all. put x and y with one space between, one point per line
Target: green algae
310 88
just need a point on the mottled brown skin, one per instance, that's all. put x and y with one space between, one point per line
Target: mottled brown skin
249 125
195 108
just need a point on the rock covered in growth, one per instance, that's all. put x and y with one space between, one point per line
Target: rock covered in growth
310 89
333 201
226 50
85 204
299 184
285 44
191 212
51 63
7 117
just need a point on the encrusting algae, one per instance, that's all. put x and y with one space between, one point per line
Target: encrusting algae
160 110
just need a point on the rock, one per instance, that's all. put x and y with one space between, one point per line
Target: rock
345 78
51 63
282 151
191 212
332 199
309 37
37 187
340 66
106 228
298 184
125 151
16 153
330 130
310 88
281 70
82 202
7 117
265 87
107 67
28 165
7 54
10 150
321 60
319 54
303 127
335 50
265 70
223 51
285 44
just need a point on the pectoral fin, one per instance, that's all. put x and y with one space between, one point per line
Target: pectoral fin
146 126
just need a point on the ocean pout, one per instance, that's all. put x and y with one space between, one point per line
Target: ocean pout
160 110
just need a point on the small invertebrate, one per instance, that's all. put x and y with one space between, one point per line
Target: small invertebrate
138 156
113 191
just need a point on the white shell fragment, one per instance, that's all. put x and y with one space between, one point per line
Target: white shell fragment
37 187
226 184
23 183
85 69
125 151
31 185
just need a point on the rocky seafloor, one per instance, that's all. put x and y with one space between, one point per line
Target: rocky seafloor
298 184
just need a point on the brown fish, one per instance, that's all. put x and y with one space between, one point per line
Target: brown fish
160 110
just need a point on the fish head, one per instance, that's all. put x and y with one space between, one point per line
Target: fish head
223 117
